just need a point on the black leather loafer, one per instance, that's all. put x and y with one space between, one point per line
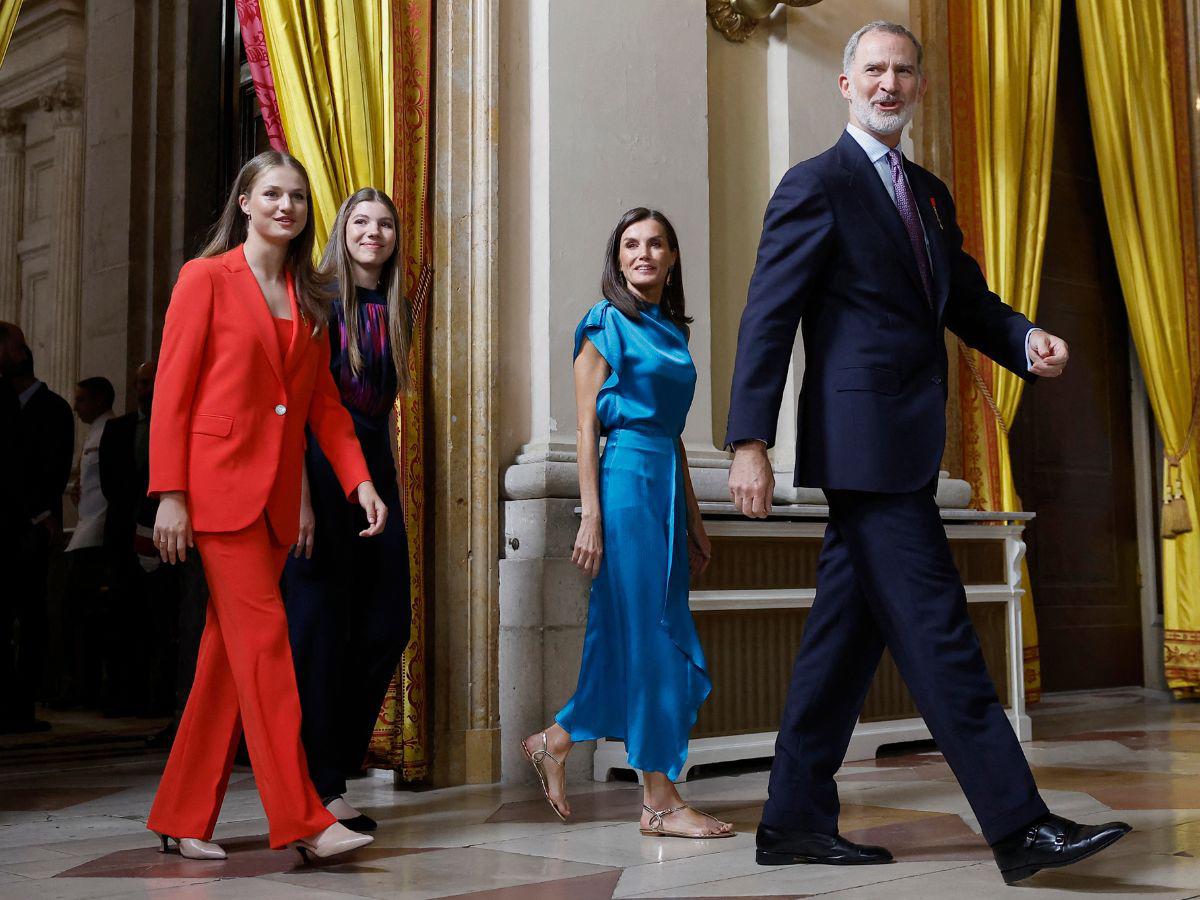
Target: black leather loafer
1051 843
785 847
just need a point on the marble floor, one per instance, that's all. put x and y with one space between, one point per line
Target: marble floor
75 828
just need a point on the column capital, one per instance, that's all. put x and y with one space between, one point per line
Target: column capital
64 100
11 121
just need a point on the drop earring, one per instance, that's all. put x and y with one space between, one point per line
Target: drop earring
670 272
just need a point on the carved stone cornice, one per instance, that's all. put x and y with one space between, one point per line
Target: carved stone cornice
737 19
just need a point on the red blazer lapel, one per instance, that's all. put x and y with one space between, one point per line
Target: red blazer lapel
301 331
255 307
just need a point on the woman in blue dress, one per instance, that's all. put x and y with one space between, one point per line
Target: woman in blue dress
642 677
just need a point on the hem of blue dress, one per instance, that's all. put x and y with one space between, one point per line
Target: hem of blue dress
672 771
664 622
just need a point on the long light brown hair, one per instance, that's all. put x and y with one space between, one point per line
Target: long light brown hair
337 262
232 228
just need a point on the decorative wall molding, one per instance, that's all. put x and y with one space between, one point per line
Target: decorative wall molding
737 19
47 46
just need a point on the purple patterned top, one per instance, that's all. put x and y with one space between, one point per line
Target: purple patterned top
370 396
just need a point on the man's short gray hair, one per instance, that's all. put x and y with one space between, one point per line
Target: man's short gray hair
878 25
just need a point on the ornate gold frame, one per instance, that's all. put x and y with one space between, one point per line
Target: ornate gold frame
737 19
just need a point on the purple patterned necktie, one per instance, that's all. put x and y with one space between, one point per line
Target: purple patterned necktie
907 205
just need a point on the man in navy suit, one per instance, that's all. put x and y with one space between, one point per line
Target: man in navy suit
861 248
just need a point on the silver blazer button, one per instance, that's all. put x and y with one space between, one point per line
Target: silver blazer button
280 409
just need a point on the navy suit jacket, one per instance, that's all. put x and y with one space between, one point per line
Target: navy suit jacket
48 446
835 258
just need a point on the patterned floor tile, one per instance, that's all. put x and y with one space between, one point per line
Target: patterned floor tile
77 831
585 887
247 858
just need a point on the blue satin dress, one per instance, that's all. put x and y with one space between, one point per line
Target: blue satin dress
643 677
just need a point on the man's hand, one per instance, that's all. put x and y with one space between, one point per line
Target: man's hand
751 480
1047 354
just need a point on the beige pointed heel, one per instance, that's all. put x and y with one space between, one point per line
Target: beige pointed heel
331 841
191 848
538 759
657 817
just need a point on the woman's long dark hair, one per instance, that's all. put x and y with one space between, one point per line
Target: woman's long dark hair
312 286
612 283
336 262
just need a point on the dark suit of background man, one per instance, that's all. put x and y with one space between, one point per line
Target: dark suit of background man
140 630
37 455
861 248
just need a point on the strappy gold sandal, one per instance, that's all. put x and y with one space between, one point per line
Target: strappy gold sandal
656 825
538 758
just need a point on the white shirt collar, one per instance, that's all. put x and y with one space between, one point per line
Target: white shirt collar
24 396
100 421
872 146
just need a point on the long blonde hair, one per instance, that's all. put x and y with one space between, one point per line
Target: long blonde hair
312 286
337 262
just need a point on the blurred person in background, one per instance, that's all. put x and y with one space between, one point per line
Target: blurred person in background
39 450
86 578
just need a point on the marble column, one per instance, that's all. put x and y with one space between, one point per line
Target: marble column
606 137
12 180
463 415
617 118
61 369
606 108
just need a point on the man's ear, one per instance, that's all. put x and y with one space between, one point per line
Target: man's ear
844 85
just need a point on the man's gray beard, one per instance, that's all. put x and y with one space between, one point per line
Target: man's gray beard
881 122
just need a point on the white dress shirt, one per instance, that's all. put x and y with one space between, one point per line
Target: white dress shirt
24 396
92 505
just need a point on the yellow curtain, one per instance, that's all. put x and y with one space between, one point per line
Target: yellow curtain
332 65
353 82
1003 159
1141 149
8 21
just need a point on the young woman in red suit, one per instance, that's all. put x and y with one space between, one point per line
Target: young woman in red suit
244 367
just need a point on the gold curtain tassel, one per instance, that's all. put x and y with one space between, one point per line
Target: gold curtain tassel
1176 519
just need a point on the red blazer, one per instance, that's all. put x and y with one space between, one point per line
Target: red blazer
227 426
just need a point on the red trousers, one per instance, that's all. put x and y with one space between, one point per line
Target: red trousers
244 679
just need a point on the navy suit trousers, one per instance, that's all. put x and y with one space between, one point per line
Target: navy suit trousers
886 578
